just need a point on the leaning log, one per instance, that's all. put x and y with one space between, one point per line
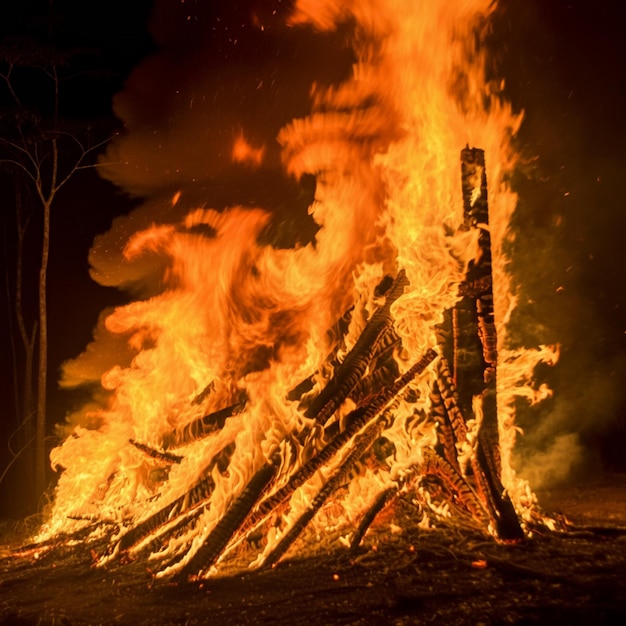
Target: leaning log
352 368
380 502
355 422
230 522
200 492
359 447
337 479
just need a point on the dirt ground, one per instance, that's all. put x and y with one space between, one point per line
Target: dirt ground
442 576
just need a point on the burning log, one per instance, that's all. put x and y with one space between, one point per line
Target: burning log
166 457
358 418
238 513
462 493
199 494
486 461
446 433
378 505
232 521
450 400
204 426
384 371
359 447
351 370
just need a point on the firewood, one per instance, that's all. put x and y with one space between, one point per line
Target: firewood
204 426
338 478
447 437
486 462
350 371
357 419
370 515
458 486
230 522
167 457
199 493
360 445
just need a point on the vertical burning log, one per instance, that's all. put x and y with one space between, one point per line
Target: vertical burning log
479 276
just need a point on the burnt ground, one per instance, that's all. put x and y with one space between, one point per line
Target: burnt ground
444 576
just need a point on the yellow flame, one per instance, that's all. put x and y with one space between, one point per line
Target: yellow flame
236 316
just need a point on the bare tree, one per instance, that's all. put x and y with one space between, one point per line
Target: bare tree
43 149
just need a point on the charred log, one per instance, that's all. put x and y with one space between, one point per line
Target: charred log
360 446
159 455
451 403
357 419
200 492
487 462
231 522
204 426
447 438
368 518
457 485
351 370
362 443
384 371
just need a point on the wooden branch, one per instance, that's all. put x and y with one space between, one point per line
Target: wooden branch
355 422
351 370
230 522
370 515
203 427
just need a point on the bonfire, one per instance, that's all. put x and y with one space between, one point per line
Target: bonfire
280 399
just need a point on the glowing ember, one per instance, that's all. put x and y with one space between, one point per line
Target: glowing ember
266 390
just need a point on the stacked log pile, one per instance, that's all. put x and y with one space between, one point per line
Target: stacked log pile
464 465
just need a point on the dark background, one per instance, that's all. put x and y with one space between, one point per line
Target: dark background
563 62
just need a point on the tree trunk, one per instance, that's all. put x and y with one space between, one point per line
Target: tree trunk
42 375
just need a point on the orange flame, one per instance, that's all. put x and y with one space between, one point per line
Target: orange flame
243 152
234 315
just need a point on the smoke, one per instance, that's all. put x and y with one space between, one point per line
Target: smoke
561 437
201 118
568 227
219 71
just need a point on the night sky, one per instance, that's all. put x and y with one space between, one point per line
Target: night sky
185 76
